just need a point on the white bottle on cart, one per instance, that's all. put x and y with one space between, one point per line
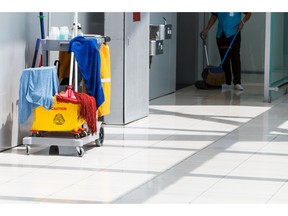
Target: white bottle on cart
64 33
54 33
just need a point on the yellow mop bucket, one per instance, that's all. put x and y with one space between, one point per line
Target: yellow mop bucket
62 117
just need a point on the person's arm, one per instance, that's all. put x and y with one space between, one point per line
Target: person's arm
211 22
244 20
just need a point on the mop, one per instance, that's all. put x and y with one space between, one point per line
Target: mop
88 110
68 95
214 75
87 103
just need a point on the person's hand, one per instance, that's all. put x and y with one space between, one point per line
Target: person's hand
205 32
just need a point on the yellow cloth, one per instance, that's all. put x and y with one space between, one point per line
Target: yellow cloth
105 75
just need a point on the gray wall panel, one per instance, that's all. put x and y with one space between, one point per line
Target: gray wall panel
162 78
114 27
136 67
129 67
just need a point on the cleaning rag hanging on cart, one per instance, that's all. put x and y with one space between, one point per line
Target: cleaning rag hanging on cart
37 88
105 74
88 59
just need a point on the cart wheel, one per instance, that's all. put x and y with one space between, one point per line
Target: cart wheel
28 149
36 134
99 142
80 151
101 135
84 133
54 150
76 136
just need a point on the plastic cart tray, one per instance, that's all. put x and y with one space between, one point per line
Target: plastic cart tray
53 139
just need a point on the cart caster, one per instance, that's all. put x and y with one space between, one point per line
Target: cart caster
84 133
36 134
80 151
77 136
54 150
99 142
28 149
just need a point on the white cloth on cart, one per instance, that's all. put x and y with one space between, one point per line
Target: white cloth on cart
37 88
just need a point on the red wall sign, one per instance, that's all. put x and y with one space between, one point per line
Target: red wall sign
136 16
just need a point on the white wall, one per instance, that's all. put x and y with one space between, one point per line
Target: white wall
13 54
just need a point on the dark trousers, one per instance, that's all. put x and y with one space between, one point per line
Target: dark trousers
232 59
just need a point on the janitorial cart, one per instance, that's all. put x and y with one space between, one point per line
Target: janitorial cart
71 119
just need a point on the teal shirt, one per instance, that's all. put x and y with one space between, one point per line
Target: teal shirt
228 23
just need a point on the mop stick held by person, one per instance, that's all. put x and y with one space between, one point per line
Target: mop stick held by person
229 24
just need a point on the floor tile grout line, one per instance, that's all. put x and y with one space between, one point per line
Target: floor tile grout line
224 176
182 160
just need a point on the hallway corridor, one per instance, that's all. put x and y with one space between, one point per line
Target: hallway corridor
195 147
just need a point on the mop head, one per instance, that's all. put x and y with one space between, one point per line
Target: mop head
67 96
87 110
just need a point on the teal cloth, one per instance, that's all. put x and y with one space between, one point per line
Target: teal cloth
37 88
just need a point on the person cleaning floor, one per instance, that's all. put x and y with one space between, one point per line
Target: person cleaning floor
229 24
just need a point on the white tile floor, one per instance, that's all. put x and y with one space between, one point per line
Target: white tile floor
195 147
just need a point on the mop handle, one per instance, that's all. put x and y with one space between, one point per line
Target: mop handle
74 33
41 17
76 64
203 37
229 49
206 54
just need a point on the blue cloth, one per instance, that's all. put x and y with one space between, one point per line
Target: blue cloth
37 88
228 23
88 59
